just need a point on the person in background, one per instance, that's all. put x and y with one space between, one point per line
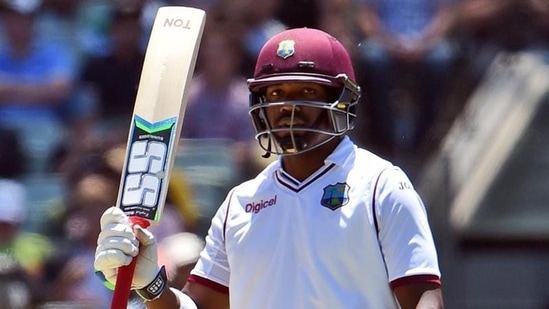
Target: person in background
218 95
489 27
339 19
218 98
112 80
406 53
36 79
326 225
260 23
23 255
28 251
60 22
251 24
93 186
71 25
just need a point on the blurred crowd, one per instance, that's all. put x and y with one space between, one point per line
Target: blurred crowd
69 71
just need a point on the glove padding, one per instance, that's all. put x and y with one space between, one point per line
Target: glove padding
118 243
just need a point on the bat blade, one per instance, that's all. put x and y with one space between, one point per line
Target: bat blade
159 108
154 133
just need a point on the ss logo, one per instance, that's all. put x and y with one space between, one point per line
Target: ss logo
145 171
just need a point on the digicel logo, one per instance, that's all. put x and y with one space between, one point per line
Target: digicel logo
258 206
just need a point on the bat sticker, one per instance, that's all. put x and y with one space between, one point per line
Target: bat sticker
147 163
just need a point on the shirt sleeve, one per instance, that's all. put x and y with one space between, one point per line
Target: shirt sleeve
213 264
404 232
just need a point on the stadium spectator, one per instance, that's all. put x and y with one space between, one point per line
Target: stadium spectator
406 52
28 250
112 80
489 27
218 99
253 25
60 22
339 19
36 80
218 92
73 25
71 278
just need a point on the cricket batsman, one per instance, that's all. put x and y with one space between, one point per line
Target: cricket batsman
327 225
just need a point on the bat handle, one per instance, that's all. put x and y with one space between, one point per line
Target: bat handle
124 278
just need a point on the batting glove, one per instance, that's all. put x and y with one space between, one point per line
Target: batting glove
119 242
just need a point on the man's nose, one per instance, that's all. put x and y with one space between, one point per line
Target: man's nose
288 108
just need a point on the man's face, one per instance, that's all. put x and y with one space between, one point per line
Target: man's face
294 117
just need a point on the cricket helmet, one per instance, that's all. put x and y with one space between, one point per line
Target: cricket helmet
304 55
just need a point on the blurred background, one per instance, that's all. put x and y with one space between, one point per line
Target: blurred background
454 91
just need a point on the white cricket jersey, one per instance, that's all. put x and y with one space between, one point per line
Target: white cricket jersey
278 243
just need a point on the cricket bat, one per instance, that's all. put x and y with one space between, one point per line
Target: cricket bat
154 132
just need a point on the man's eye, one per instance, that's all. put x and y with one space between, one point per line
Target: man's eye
309 91
274 93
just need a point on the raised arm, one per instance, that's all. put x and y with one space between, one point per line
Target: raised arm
119 242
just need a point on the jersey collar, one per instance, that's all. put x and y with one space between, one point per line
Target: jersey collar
338 158
342 152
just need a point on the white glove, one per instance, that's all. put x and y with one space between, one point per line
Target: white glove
117 244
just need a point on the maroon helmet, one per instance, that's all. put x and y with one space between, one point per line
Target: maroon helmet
304 55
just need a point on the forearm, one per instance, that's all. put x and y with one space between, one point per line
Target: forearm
431 299
171 299
420 296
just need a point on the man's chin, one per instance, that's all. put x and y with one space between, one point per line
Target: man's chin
300 142
291 146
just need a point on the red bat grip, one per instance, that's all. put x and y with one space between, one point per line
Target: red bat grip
124 278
